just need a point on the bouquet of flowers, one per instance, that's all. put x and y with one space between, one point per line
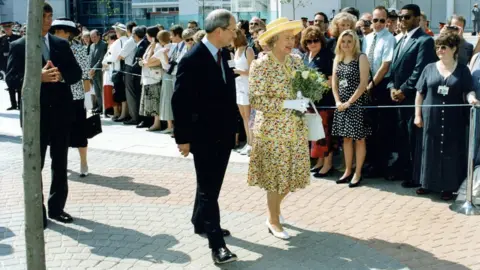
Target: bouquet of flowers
310 83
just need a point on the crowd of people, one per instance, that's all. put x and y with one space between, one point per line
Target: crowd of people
231 82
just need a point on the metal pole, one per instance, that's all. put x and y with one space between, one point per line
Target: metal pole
467 207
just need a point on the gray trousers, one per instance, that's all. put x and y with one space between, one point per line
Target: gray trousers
133 91
476 26
98 86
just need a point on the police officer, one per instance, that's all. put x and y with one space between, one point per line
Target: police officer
4 51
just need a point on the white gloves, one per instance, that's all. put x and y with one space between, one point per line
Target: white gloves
300 105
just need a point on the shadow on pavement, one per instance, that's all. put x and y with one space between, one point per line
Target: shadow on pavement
10 115
120 183
118 242
5 249
322 250
10 138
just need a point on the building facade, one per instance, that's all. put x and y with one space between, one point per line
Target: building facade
16 10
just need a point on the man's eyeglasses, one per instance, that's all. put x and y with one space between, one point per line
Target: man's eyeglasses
312 41
189 40
379 20
404 17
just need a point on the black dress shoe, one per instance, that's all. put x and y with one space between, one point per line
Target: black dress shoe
408 184
143 125
12 108
63 217
225 233
315 170
120 119
223 255
44 218
321 175
352 185
130 122
344 180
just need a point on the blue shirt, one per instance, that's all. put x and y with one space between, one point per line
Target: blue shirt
383 51
213 50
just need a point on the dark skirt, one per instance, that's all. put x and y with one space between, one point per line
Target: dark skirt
119 95
77 136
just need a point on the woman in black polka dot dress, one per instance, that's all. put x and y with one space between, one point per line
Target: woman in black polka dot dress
350 79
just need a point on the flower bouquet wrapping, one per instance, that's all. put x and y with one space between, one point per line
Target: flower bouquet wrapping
309 83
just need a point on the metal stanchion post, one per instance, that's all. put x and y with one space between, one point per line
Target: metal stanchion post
467 207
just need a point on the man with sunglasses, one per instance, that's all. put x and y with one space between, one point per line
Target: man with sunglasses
412 53
379 47
321 21
255 24
456 24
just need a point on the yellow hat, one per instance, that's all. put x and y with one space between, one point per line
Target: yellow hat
279 25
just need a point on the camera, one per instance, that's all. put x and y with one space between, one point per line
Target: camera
172 63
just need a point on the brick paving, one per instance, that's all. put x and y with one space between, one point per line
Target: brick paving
133 212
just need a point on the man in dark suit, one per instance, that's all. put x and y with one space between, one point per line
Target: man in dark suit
60 70
204 109
98 50
412 53
5 41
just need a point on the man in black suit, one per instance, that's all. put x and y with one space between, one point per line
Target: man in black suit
204 109
5 41
98 50
60 70
412 53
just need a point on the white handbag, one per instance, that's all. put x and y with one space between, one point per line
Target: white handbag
315 125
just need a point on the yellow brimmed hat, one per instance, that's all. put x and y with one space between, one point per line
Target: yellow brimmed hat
279 25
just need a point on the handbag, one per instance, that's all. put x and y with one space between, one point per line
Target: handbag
93 126
315 125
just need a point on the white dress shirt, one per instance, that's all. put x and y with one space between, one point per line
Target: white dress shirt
409 36
128 51
383 52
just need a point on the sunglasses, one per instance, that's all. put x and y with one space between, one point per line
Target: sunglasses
318 21
189 40
442 47
253 23
404 17
379 20
312 41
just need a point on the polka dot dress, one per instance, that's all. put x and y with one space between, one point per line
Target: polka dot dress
351 122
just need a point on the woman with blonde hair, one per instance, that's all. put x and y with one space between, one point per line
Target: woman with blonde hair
341 22
279 159
351 72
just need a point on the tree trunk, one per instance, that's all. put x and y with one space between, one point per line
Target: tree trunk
293 8
32 172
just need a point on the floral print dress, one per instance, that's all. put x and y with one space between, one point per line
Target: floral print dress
279 161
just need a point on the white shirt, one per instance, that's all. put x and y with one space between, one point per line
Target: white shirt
160 54
409 36
383 52
128 51
151 75
115 50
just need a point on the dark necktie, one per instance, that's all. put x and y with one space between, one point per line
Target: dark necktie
219 58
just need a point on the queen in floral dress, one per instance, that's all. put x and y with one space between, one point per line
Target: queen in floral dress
280 157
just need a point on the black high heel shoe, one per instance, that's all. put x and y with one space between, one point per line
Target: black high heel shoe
315 170
344 180
352 185
321 175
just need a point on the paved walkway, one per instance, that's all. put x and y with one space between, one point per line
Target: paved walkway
133 213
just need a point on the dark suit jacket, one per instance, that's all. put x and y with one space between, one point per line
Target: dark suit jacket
408 65
141 48
204 105
465 52
97 52
57 96
5 49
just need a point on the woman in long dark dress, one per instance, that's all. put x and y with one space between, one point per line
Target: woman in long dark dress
319 57
444 156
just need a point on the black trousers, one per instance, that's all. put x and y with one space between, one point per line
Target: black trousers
55 132
133 93
406 144
211 162
14 97
383 124
98 88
